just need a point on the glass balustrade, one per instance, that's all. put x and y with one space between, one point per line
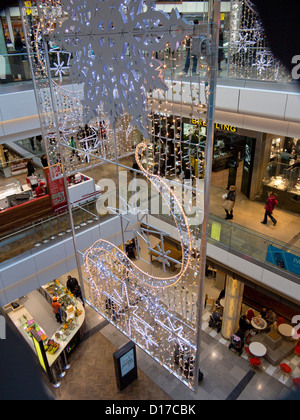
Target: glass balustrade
220 232
47 230
14 67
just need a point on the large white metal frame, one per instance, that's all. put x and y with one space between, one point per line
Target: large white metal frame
162 314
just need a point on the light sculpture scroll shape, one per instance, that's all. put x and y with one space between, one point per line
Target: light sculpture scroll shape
113 43
99 248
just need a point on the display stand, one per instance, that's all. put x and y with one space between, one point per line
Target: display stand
82 191
55 363
125 365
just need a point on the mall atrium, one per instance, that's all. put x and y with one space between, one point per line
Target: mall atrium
149 203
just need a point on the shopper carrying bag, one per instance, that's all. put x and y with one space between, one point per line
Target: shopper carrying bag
229 202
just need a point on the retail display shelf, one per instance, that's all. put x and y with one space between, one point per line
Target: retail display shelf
61 339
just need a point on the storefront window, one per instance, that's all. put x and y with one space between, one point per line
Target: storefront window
282 174
233 154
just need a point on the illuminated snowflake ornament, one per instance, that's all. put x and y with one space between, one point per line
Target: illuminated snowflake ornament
60 66
244 42
264 61
112 43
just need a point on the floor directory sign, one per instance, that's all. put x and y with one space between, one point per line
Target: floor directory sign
125 365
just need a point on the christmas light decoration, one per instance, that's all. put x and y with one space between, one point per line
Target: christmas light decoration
112 46
127 81
249 56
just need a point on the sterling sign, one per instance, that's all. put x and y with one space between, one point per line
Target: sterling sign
223 127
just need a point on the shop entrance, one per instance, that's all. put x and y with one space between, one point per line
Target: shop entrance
233 161
233 154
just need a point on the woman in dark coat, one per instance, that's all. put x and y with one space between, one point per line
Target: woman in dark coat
229 202
270 205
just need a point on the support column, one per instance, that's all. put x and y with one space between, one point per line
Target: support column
232 307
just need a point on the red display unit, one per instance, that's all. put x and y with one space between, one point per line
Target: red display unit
56 188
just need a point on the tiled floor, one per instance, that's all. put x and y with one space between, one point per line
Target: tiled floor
293 360
224 371
91 375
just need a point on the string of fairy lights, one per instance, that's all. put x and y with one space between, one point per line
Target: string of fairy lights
76 146
249 56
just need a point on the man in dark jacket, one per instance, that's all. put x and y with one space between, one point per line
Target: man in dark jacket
72 283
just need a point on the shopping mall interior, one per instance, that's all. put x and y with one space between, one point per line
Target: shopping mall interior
142 228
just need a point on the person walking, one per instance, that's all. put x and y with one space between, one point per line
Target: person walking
190 55
230 202
220 51
269 208
188 59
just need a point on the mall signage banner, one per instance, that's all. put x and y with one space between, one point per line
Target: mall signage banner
283 259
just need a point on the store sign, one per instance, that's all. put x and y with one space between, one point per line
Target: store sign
283 259
27 5
56 188
223 127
